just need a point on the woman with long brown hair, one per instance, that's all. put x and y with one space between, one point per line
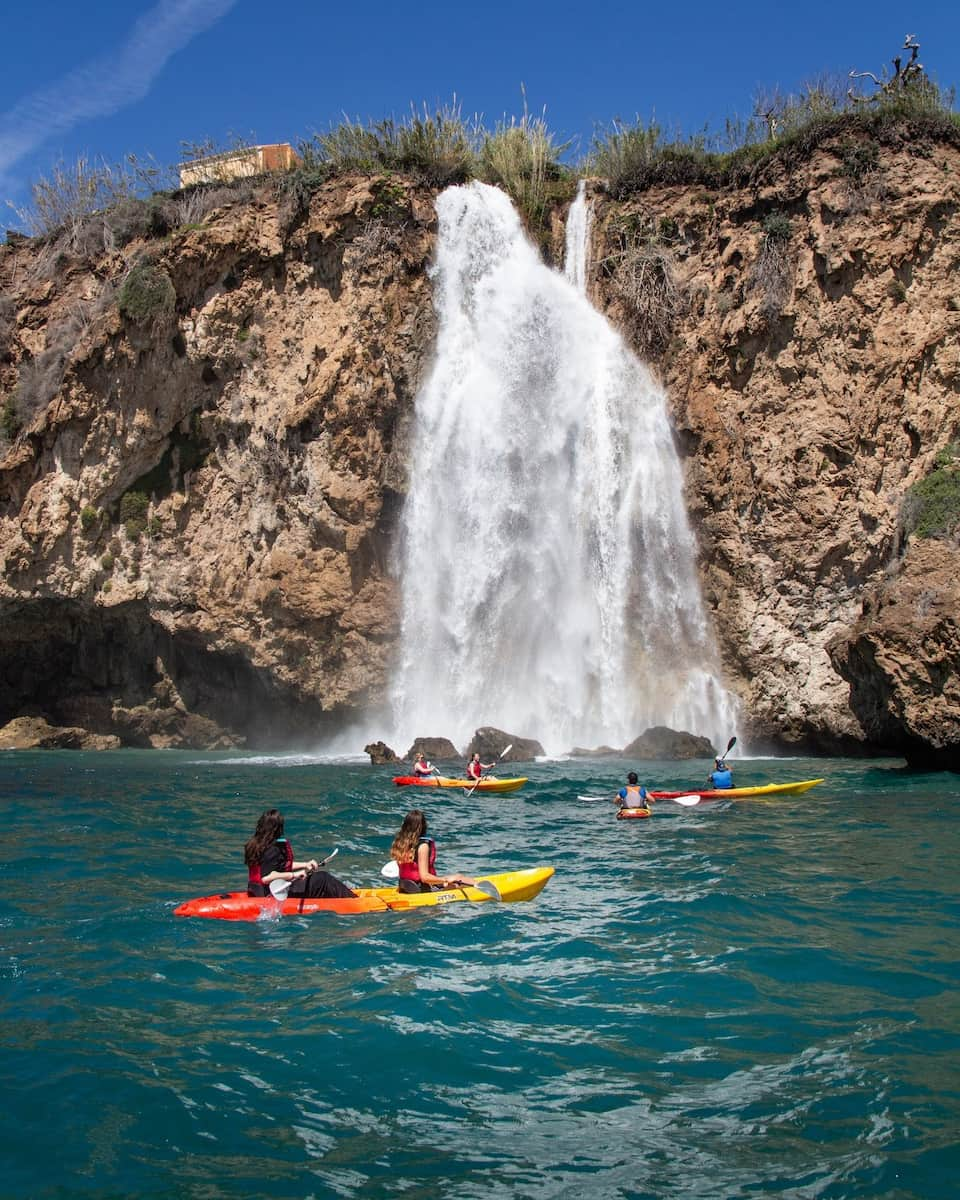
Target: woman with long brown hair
269 856
416 856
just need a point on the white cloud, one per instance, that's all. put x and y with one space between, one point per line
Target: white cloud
108 83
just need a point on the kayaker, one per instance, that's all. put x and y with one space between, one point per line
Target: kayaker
269 856
475 768
633 795
721 776
422 768
416 856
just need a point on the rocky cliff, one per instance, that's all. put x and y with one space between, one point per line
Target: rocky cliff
813 367
209 450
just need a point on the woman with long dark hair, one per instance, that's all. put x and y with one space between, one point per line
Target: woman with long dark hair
269 856
416 856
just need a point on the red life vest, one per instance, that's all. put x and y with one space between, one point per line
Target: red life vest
256 871
411 870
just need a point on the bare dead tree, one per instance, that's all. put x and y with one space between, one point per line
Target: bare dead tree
903 76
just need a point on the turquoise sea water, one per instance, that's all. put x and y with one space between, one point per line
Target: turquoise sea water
761 1000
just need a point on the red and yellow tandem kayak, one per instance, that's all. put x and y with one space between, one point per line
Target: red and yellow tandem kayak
742 793
238 906
443 781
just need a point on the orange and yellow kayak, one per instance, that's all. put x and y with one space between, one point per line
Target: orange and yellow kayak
510 886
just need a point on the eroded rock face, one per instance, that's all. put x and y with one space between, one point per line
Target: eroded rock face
812 378
902 658
265 420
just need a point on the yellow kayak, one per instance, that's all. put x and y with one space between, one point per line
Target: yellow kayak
743 793
489 784
508 887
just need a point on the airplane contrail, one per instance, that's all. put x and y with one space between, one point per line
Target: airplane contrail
109 82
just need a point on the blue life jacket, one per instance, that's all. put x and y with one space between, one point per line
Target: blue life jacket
721 778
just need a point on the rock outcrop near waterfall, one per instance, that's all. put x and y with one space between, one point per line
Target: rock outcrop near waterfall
199 491
262 416
813 369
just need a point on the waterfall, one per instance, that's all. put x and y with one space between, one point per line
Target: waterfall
577 247
547 564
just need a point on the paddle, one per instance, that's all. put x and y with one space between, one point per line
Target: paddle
391 870
280 887
504 751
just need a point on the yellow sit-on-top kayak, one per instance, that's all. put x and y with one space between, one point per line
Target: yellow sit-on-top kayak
742 793
238 906
443 781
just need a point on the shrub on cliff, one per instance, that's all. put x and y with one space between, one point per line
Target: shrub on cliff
437 148
642 271
772 274
9 418
7 325
931 508
783 131
521 157
90 205
147 295
133 513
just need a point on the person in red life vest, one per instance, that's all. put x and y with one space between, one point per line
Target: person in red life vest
269 856
475 768
416 856
633 795
422 768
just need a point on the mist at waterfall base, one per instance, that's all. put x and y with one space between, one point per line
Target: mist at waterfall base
760 1001
547 566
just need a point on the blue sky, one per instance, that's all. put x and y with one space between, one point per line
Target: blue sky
105 78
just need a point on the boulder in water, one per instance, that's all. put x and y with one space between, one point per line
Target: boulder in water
670 744
34 733
490 744
433 748
598 752
380 753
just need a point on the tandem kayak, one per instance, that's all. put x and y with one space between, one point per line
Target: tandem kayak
444 781
238 906
742 793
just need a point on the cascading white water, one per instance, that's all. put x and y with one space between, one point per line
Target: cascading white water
547 565
577 242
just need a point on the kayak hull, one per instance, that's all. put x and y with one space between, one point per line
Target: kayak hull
743 793
632 814
510 886
445 781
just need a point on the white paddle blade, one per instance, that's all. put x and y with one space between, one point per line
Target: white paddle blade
279 888
332 854
390 870
686 801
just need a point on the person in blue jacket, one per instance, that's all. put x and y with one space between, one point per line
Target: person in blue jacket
721 776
